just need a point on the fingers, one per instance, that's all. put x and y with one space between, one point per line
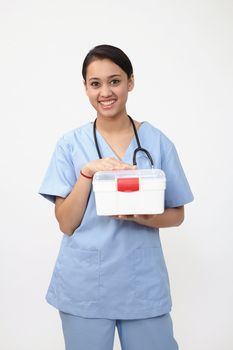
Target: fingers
107 164
124 217
115 164
133 217
112 163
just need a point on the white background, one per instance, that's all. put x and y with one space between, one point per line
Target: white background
182 55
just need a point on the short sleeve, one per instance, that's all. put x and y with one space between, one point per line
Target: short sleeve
177 191
60 176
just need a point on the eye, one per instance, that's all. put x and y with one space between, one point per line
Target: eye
95 83
115 81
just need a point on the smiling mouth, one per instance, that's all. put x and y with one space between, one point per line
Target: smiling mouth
107 103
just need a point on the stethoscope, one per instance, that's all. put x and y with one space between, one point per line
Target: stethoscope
139 148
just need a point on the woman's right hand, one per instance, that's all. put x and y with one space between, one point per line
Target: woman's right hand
69 211
105 164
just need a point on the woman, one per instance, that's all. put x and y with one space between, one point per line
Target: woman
110 271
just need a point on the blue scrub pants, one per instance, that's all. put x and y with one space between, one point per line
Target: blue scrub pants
154 333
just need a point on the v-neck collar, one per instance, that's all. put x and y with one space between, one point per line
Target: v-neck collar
107 151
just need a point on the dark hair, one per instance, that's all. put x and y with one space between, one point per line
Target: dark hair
110 52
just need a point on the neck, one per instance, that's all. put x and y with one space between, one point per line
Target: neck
113 124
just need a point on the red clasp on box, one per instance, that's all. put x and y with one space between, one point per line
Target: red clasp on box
129 184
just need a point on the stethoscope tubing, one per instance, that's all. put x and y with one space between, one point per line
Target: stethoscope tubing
138 149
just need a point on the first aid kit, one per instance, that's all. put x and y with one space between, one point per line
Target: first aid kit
125 192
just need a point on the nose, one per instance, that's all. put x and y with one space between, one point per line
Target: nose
105 90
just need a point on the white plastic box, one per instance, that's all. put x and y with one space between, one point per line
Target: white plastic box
126 192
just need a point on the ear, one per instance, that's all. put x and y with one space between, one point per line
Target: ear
131 83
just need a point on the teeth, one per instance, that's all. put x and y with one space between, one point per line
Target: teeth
107 103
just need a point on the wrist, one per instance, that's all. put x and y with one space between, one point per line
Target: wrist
87 171
86 176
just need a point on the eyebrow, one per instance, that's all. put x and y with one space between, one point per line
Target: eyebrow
109 77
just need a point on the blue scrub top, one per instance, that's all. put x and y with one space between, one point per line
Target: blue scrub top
111 268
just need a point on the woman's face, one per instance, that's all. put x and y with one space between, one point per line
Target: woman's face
107 87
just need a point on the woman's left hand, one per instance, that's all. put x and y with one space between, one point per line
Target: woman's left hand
140 219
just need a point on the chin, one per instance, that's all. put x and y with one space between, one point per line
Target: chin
108 114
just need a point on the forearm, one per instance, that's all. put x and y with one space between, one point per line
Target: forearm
69 211
169 218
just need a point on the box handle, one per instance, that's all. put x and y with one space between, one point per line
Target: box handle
129 184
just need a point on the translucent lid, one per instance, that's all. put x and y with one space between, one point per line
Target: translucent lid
146 174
